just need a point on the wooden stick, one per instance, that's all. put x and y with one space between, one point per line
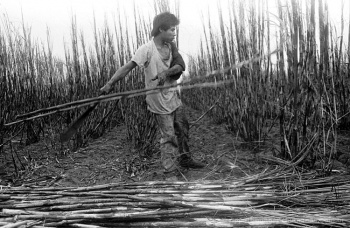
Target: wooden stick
17 224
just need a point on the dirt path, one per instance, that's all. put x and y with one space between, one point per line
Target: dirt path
111 158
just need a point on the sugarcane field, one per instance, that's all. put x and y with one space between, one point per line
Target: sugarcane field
174 113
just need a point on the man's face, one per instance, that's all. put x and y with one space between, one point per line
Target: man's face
169 34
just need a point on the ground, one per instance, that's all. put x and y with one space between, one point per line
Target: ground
111 158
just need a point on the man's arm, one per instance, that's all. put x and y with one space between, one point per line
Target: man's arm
119 74
175 70
177 60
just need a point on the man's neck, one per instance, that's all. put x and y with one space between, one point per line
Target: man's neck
159 41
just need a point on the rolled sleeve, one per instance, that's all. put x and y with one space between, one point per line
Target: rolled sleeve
141 56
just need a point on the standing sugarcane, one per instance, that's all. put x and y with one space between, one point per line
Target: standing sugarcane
163 65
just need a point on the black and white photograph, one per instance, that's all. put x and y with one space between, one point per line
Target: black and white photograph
174 113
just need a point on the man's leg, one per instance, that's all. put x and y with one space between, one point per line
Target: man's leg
182 128
168 142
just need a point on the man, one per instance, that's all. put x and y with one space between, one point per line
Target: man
163 65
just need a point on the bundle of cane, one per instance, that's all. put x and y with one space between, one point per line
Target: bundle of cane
270 199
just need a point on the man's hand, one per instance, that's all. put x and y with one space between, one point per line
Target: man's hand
161 78
168 74
106 89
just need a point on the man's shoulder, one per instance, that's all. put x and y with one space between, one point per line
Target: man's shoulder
145 47
148 44
143 54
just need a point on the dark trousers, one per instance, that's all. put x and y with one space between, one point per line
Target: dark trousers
174 129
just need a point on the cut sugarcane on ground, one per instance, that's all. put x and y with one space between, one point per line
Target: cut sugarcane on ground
273 198
107 183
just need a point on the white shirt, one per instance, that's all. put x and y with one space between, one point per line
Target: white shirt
148 57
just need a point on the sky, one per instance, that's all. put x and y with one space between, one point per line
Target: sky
57 14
